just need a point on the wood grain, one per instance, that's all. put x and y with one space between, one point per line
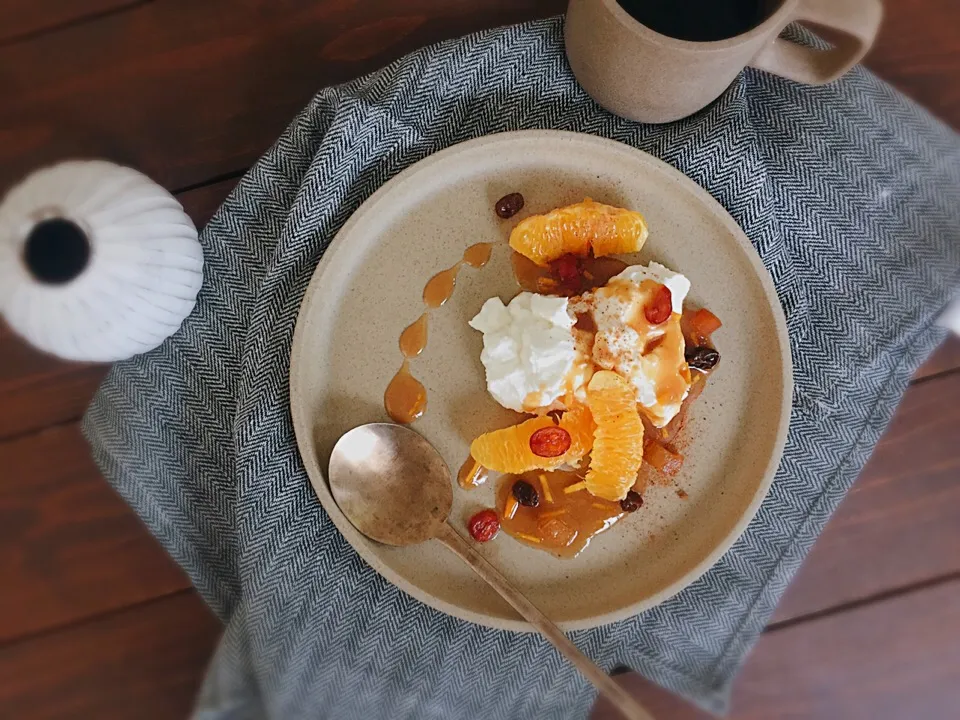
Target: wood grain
213 93
891 660
918 51
201 203
70 548
38 390
900 523
945 359
25 19
145 662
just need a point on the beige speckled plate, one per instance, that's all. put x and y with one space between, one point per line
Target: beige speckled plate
368 288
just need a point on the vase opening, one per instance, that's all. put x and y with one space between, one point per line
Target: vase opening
56 251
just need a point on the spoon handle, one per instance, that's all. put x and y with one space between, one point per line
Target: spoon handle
617 695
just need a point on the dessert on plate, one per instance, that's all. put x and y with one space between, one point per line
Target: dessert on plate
604 359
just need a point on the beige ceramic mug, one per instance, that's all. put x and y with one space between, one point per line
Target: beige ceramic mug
645 75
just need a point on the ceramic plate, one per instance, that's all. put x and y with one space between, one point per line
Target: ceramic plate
368 288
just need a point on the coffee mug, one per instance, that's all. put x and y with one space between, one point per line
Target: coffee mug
660 60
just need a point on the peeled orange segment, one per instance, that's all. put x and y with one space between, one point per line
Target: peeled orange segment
579 423
508 450
618 441
576 229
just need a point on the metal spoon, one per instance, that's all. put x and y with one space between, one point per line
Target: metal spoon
395 488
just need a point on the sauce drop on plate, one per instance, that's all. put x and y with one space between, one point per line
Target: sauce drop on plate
439 288
414 338
405 398
476 256
472 474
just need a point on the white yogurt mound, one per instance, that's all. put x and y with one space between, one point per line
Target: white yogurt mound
528 349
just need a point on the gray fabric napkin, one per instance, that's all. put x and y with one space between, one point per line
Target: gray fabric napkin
851 195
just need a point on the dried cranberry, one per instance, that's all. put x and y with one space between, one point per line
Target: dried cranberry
484 525
550 442
567 267
632 502
509 205
660 308
525 493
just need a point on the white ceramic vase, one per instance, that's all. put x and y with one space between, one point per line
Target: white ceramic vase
97 261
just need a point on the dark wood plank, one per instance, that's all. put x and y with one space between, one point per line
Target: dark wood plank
917 51
145 663
900 523
39 390
945 359
24 19
202 202
890 660
187 101
69 546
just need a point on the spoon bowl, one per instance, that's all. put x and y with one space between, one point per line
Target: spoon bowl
391 483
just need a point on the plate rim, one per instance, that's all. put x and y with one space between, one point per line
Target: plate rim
303 428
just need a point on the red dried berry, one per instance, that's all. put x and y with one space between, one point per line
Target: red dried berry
660 308
550 442
484 525
567 267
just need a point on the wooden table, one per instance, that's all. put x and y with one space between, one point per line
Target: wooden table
97 622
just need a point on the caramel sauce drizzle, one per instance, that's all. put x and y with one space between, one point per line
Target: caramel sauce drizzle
405 398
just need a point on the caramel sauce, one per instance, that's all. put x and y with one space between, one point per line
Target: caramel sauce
585 323
405 398
563 523
527 272
414 338
476 256
533 278
472 474
439 288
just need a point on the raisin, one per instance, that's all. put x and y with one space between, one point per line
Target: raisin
526 494
702 358
509 205
550 442
660 308
632 502
484 525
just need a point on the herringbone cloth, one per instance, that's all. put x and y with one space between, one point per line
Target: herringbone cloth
851 195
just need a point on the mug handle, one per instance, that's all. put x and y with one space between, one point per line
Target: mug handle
851 25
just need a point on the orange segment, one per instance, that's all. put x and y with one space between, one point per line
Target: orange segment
576 229
579 423
508 450
618 441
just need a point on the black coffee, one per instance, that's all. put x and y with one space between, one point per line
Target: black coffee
699 20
